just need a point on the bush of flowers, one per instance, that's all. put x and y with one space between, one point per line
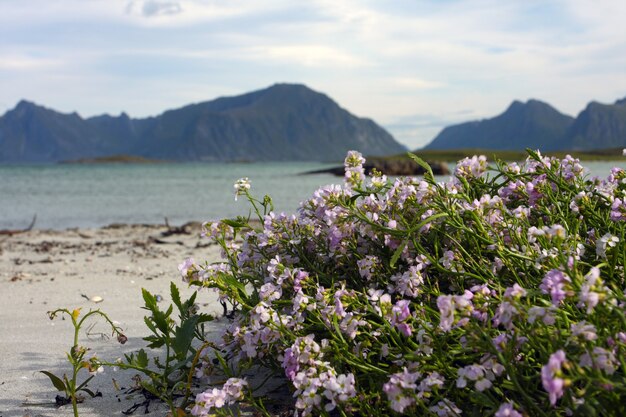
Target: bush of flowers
499 292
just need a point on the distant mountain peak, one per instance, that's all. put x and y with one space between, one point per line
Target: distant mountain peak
532 104
533 124
281 122
536 124
24 105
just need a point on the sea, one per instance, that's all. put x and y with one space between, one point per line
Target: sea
65 196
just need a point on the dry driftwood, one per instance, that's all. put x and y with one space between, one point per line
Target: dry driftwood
11 232
175 230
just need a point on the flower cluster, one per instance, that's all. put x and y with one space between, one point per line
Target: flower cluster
232 391
499 292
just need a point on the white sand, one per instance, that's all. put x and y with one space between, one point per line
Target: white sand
45 270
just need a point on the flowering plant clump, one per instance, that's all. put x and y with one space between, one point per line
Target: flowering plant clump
499 292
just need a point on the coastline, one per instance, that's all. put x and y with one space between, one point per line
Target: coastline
42 270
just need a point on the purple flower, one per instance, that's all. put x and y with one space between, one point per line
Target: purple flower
515 292
448 305
507 410
231 392
473 167
550 376
184 267
554 283
400 389
618 210
600 359
290 364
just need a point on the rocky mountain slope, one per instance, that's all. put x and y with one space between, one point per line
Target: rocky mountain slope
282 122
537 125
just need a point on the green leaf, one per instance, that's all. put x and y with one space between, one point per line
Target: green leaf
160 320
175 296
85 382
398 252
150 325
150 388
234 223
203 318
231 281
149 300
154 342
88 391
142 359
184 336
56 381
419 161
426 221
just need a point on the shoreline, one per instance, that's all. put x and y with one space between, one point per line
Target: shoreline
42 270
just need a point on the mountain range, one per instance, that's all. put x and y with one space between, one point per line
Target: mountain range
282 122
538 125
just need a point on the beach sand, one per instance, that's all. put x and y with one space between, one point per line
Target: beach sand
42 270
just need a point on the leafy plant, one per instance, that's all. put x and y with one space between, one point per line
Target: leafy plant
168 377
77 358
499 292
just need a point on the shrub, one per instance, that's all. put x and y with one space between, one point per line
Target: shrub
499 292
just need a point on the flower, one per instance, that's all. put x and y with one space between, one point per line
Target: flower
242 185
507 410
550 376
555 283
185 266
233 390
605 242
400 389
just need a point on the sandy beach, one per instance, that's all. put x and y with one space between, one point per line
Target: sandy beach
42 270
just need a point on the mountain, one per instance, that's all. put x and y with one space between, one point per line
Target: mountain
533 124
36 134
598 126
282 122
537 125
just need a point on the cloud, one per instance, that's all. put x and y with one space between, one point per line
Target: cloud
377 59
28 63
152 8
416 83
308 55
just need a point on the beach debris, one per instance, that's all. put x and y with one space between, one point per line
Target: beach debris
185 229
11 232
165 242
19 276
95 299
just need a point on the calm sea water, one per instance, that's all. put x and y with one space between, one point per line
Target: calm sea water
64 196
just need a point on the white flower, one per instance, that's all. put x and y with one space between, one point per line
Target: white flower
241 186
602 243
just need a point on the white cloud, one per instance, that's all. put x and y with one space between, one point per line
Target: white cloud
379 59
28 63
150 8
416 83
308 55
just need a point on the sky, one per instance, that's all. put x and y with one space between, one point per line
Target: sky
413 66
